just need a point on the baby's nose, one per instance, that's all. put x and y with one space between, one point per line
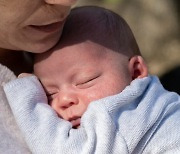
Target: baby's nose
65 100
61 2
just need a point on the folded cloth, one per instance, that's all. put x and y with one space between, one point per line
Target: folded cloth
143 118
12 141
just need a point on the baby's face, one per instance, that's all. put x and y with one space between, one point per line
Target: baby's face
76 75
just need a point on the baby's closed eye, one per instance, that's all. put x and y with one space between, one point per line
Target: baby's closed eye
51 95
87 82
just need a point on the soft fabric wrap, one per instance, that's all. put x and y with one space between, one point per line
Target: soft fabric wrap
11 139
143 118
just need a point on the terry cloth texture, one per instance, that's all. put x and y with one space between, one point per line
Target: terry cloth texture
11 140
143 118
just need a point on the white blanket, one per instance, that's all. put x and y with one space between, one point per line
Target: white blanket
11 139
143 118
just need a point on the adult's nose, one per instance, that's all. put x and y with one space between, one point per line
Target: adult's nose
61 2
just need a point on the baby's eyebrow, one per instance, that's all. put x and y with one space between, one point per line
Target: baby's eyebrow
48 88
46 82
86 75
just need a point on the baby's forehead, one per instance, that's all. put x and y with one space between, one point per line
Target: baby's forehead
84 50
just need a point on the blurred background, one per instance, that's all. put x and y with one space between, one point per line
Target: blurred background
156 26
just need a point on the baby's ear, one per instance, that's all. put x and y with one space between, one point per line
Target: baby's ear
138 67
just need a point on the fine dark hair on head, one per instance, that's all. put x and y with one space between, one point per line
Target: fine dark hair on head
102 26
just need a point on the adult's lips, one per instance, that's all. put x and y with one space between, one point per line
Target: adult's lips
49 27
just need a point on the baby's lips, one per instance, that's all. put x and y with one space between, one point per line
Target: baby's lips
76 122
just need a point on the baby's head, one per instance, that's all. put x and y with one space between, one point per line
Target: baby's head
96 57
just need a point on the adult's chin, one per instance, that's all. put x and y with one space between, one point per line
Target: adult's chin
38 39
42 45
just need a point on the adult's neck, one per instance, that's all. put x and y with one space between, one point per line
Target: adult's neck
17 61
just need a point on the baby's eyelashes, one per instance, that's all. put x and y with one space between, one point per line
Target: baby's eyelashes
87 82
50 96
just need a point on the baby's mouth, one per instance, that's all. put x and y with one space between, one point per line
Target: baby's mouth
75 122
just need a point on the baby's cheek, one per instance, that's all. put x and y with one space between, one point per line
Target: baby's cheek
101 92
95 94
